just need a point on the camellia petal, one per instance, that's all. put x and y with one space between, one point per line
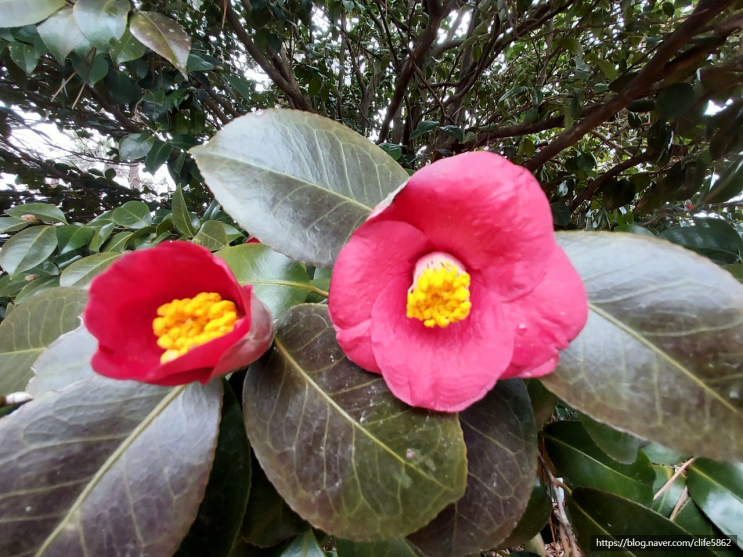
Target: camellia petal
489 213
441 369
547 318
124 300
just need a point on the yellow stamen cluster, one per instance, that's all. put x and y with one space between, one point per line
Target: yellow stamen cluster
191 322
440 296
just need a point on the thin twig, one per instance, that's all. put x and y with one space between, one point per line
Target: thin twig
679 471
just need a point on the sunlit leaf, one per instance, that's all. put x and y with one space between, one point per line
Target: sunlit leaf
163 35
81 272
181 217
45 212
717 487
133 214
211 235
17 13
61 34
102 21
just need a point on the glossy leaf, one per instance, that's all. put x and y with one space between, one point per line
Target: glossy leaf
61 34
221 512
45 212
536 515
617 444
668 322
501 440
17 13
35 287
542 401
90 69
666 502
64 362
101 235
211 235
674 100
127 48
155 463
181 217
133 214
27 249
163 35
25 56
135 146
728 185
102 21
117 242
391 548
279 282
33 326
304 546
717 487
713 238
364 466
658 454
577 458
598 513
305 205
70 238
81 272
12 224
157 156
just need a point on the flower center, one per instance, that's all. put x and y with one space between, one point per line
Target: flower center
440 293
191 322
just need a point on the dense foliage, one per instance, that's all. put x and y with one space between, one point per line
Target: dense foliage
629 114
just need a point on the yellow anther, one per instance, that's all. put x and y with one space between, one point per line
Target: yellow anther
185 324
440 292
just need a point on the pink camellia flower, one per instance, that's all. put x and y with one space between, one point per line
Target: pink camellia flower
174 314
456 282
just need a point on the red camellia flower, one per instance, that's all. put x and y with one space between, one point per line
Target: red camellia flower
174 314
456 282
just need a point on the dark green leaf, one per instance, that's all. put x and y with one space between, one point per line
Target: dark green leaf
666 501
61 34
212 236
181 217
583 464
28 248
64 362
126 48
658 454
17 13
536 515
91 69
157 156
36 287
597 513
221 512
717 487
33 326
660 343
45 212
619 194
81 272
102 21
586 161
133 214
135 146
674 100
117 242
425 126
560 214
70 238
198 64
454 131
501 440
12 224
106 433
728 185
392 149
542 401
384 469
713 238
735 269
101 235
617 444
279 282
305 205
164 36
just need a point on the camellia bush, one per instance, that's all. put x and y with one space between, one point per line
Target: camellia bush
325 345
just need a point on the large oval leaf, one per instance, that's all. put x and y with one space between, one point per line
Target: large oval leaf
81 272
27 249
583 464
61 34
501 439
339 447
536 515
212 236
297 181
102 21
67 456
279 282
619 445
33 326
660 355
164 36
45 212
133 214
66 361
17 13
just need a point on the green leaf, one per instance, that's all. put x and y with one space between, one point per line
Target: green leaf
543 402
221 512
597 513
617 444
384 469
735 269
666 502
304 546
33 326
198 64
279 282
608 69
101 235
135 146
674 100
583 464
17 13
102 21
181 217
717 487
424 127
713 238
728 185
36 287
164 36
27 249
498 429
71 237
133 214
536 515
660 343
81 272
454 131
305 205
91 69
157 156
658 454
390 548
212 236
12 224
392 149
45 212
169 433
61 34
127 48
241 86
232 232
117 242
619 194
64 362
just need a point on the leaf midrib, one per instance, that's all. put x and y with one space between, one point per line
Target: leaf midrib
347 417
674 363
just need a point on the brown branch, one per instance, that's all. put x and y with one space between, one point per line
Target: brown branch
128 124
211 105
606 177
